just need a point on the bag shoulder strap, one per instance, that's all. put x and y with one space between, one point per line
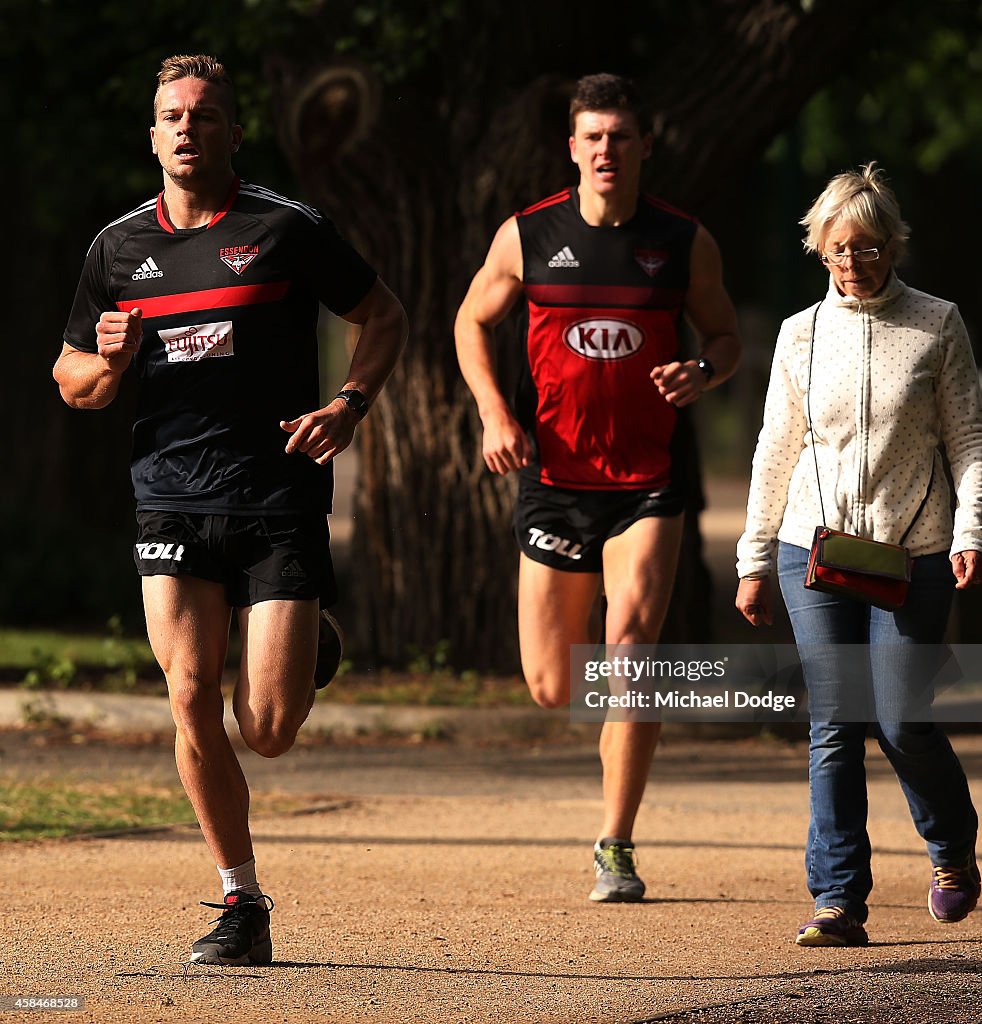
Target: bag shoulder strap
808 408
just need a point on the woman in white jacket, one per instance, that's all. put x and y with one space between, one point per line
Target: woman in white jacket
892 380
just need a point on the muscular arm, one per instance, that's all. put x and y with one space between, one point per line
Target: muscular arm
710 311
90 380
384 329
494 290
326 432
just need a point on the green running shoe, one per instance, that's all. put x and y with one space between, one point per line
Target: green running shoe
617 880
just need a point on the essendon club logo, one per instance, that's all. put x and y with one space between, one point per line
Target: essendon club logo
238 257
651 260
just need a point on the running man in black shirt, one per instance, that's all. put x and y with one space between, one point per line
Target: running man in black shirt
211 291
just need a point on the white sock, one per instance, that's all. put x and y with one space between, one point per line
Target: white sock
242 878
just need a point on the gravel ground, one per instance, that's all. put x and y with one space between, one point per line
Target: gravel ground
442 883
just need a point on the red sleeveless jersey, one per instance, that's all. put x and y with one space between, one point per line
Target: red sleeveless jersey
604 305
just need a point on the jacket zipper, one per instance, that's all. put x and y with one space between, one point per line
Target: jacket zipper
862 466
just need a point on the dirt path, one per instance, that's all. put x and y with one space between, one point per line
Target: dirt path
448 884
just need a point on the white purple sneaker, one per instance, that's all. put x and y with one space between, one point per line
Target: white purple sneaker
832 926
954 892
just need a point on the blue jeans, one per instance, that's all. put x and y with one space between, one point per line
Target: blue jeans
838 853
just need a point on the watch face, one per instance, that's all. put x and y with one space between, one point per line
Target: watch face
356 400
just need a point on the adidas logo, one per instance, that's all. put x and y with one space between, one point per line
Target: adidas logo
294 571
148 269
564 258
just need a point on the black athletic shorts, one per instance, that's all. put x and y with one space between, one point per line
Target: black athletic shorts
257 558
567 529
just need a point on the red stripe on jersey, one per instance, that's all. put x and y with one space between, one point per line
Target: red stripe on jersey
233 193
208 299
162 218
164 221
559 197
660 204
625 296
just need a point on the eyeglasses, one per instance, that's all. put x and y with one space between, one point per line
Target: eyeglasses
858 256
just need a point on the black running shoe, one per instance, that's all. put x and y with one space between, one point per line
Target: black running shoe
330 647
242 935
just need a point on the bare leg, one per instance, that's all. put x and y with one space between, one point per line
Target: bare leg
275 690
639 571
187 621
554 611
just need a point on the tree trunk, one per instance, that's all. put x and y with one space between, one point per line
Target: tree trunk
419 177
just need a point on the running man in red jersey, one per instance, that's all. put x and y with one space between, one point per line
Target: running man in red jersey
211 291
607 273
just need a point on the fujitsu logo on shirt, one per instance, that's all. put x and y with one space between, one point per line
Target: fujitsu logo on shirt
202 341
238 257
604 338
148 269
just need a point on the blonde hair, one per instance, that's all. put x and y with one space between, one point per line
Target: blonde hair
200 66
862 198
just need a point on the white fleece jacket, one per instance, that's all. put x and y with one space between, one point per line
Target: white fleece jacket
893 379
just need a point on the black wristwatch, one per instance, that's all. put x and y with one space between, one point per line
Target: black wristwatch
357 402
707 368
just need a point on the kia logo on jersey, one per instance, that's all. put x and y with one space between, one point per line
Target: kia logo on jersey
604 339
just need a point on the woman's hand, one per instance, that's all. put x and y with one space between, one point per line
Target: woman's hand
967 567
753 600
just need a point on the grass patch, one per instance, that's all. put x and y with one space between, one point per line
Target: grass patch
46 659
436 689
50 660
21 648
52 809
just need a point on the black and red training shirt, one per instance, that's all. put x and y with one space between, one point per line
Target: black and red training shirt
229 346
604 305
